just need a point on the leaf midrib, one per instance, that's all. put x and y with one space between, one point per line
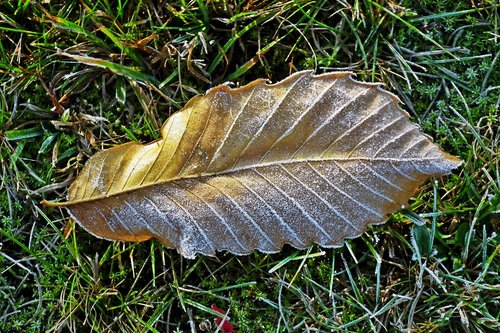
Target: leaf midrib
244 168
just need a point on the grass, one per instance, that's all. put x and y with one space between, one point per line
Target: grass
80 76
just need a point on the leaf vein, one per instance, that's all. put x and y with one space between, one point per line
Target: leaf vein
379 176
343 192
273 211
271 114
372 134
362 184
346 220
361 122
329 119
216 213
241 210
193 220
160 150
299 119
304 212
228 132
146 223
120 220
408 130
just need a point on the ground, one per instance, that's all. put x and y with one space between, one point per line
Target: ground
77 77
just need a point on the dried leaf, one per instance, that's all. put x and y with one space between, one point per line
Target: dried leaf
312 159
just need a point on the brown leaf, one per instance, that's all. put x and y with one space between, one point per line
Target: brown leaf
312 159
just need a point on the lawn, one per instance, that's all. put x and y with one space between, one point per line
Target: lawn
80 76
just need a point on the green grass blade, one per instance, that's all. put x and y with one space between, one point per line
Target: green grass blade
413 28
22 134
113 67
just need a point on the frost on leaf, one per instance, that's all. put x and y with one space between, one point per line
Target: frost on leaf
311 159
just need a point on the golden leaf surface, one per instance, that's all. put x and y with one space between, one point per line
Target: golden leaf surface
311 159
